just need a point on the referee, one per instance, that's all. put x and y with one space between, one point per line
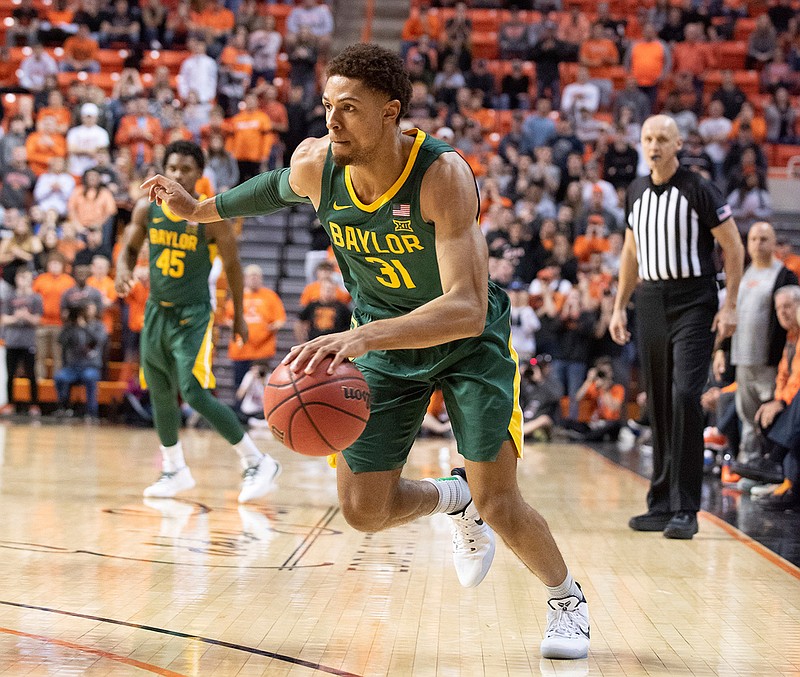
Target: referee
673 217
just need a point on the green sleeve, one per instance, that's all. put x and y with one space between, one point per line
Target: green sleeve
263 194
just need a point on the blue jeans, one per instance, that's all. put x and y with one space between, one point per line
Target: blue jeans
66 377
570 376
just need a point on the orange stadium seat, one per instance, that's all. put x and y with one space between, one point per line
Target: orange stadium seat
485 20
484 45
172 59
780 154
731 54
743 28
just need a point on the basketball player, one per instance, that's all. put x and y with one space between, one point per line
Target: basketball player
176 341
401 211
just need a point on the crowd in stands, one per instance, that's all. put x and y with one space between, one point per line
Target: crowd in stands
544 100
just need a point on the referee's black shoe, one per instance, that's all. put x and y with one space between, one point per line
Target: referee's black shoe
650 521
683 525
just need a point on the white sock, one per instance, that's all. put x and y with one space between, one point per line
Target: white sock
172 457
569 588
454 494
249 455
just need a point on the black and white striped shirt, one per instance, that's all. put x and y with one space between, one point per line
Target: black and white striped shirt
672 225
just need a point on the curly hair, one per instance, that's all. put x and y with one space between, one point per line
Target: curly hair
186 148
378 68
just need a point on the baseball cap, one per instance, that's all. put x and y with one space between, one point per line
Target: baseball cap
90 109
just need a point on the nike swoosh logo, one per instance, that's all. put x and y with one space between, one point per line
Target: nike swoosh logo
158 219
339 208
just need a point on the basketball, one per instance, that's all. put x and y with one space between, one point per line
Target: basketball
317 414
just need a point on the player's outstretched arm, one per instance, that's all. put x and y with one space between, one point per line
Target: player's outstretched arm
263 194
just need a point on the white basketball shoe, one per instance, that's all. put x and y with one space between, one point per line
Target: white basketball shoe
170 483
473 541
567 634
258 480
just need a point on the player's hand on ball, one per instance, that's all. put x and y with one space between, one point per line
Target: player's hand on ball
307 356
160 189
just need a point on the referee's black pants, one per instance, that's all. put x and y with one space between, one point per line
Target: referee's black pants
675 344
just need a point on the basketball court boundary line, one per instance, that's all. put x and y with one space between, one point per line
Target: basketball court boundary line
176 633
734 532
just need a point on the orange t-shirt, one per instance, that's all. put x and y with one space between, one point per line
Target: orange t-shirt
218 19
758 126
787 382
105 286
232 57
81 49
585 246
311 293
136 300
604 409
69 248
261 308
40 153
600 52
647 62
252 138
696 58
51 288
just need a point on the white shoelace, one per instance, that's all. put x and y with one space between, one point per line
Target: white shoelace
563 623
465 530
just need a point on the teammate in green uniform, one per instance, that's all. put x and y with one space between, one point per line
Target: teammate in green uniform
401 211
176 342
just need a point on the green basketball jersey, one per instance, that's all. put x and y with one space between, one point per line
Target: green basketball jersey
386 250
180 261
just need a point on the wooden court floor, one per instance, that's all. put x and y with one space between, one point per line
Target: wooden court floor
94 580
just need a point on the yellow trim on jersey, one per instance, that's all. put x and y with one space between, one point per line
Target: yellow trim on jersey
142 382
202 363
389 194
515 426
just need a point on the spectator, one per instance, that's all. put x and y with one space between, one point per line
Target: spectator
92 206
548 53
538 129
540 397
25 25
580 95
731 96
303 55
198 72
222 165
69 244
36 68
780 15
56 108
448 81
85 139
762 43
317 18
120 25
19 250
512 38
177 29
574 28
750 202
81 294
53 187
672 31
598 51
715 131
593 184
94 248
649 61
778 73
264 44
15 137
102 282
781 117
684 118
459 26
325 271
420 21
80 52
154 24
524 321
21 315
620 162
139 131
16 189
250 396
44 146
49 238
265 315
593 241
50 285
515 88
326 315
279 118
213 24
89 14
83 340
605 399
693 156
694 55
251 142
480 78
759 339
